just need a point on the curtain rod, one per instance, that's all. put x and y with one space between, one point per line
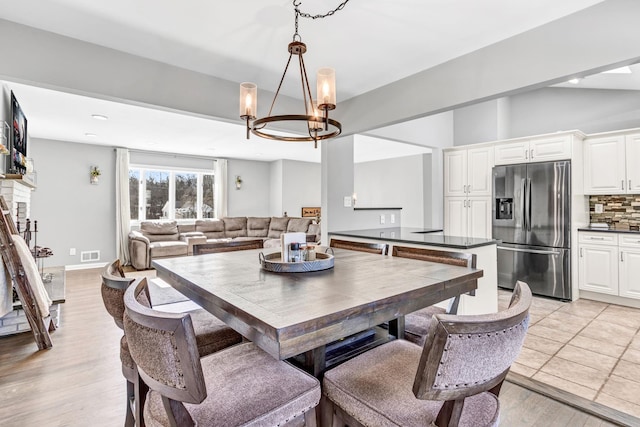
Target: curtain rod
193 156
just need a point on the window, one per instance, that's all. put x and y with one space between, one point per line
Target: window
164 194
134 193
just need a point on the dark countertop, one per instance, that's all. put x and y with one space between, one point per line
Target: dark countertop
608 230
377 209
420 236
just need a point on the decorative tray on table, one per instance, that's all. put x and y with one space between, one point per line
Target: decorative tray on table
273 262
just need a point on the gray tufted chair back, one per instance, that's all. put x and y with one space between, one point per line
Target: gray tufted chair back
114 284
466 355
163 346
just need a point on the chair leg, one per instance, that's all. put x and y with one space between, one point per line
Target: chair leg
140 392
130 421
450 413
310 418
325 412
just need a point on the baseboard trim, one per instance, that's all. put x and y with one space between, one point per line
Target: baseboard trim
85 266
597 409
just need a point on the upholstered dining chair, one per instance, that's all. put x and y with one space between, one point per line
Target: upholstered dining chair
453 380
375 248
211 334
114 284
415 326
240 385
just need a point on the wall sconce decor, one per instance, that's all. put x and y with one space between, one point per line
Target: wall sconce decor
238 182
94 174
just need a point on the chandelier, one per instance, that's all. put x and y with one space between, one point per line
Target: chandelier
317 124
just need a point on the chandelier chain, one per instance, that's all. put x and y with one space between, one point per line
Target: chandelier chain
297 3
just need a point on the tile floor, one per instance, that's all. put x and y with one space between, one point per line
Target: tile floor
587 348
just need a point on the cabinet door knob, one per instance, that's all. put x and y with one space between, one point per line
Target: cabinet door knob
526 154
621 256
622 185
532 154
581 252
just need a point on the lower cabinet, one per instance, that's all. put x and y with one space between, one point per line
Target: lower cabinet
608 263
629 271
598 269
467 217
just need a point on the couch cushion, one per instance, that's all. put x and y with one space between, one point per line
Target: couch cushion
235 226
160 230
168 248
298 225
186 228
258 227
277 226
212 228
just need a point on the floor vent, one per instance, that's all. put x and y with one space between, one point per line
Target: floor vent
89 256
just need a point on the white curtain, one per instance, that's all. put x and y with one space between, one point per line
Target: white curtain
122 205
220 193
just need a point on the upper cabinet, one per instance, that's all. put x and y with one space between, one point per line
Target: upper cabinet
468 172
541 149
611 164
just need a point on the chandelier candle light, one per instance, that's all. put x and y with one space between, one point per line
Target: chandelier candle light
316 112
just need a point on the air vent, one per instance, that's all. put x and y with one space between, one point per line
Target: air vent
89 256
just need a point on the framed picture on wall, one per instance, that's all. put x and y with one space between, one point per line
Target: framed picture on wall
311 212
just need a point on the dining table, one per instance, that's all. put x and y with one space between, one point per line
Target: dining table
292 314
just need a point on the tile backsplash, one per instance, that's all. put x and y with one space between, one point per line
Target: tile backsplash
620 211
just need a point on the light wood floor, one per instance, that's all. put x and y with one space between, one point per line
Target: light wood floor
79 383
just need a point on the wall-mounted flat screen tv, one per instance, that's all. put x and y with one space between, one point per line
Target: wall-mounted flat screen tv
18 138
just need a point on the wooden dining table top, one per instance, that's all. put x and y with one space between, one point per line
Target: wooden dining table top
287 314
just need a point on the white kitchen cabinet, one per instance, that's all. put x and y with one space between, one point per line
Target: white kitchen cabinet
468 172
609 263
611 164
467 191
598 268
534 150
629 271
455 216
632 154
468 217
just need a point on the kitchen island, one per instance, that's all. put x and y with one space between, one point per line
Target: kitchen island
486 298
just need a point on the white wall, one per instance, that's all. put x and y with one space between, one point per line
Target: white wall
393 183
487 121
589 110
254 197
71 212
275 204
301 182
547 110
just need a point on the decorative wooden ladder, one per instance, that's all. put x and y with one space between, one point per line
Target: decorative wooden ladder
40 326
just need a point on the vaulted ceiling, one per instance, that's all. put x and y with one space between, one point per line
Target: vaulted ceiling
370 43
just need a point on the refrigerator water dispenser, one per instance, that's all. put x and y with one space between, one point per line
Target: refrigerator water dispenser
504 208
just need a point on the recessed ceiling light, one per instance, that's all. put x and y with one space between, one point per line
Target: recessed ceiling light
621 70
575 81
90 135
100 117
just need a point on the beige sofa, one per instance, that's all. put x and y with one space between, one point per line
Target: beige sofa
161 239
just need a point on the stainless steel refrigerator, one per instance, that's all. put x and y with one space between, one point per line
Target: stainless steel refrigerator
532 219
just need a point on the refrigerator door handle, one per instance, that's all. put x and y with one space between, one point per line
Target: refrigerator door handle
529 191
526 195
529 251
523 204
